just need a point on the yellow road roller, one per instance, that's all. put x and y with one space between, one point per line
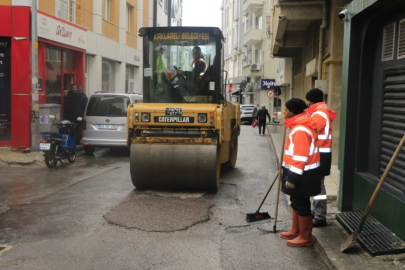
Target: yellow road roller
185 129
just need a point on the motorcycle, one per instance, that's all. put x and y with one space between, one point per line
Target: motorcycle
58 146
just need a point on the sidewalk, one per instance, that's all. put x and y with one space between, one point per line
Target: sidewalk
328 239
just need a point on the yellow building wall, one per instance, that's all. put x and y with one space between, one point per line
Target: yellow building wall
145 22
110 29
5 2
131 36
84 14
47 6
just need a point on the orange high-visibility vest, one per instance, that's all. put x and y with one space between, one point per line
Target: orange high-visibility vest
323 121
301 152
205 67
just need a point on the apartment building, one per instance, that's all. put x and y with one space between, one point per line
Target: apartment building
308 36
247 57
92 43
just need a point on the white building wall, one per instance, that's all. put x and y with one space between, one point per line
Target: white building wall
100 48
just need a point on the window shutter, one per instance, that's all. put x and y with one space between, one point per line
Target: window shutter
388 42
393 127
401 40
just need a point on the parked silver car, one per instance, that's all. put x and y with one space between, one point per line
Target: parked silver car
106 120
246 113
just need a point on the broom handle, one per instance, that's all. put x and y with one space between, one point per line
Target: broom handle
380 183
280 166
275 178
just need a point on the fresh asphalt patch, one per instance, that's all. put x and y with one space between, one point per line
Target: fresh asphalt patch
154 213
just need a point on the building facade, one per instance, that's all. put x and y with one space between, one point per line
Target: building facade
92 43
372 115
246 28
308 36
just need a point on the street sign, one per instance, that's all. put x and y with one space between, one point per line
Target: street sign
270 93
267 84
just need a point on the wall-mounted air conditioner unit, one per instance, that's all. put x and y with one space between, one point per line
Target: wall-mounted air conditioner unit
255 67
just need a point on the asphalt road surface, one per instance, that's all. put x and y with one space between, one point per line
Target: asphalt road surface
87 215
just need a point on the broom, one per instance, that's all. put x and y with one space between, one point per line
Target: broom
257 215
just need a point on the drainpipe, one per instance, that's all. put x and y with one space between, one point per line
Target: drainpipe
154 13
328 62
323 26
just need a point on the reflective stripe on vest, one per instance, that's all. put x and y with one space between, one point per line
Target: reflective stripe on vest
325 136
205 69
312 149
299 171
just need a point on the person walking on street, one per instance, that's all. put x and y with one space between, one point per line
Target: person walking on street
261 116
323 118
301 176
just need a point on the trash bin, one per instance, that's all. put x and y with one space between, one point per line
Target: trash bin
44 122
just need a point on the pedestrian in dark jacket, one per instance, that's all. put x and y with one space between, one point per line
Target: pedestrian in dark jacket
323 118
256 111
76 105
301 177
261 116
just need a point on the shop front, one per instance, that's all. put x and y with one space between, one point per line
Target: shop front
61 58
61 62
373 106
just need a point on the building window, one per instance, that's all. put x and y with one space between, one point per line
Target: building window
388 42
258 57
129 79
53 76
66 9
108 76
107 10
129 12
259 22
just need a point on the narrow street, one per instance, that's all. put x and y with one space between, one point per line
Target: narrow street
87 215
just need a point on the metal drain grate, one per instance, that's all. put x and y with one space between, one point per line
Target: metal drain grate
375 238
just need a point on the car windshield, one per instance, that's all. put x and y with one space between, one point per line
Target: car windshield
111 106
194 54
248 108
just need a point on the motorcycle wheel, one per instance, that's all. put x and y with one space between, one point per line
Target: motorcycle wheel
50 159
72 156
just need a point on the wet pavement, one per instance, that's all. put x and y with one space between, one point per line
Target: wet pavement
87 215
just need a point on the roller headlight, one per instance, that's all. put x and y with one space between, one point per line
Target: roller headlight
145 117
202 118
136 117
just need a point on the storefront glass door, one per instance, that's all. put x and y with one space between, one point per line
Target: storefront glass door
5 89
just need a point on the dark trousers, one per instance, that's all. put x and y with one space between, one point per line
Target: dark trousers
301 205
262 123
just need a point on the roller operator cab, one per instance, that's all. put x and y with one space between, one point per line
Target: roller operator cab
184 129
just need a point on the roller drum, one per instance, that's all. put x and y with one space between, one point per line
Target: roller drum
185 167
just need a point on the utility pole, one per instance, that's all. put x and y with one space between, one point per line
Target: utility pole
34 76
169 13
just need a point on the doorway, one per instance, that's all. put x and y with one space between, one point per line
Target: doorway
68 80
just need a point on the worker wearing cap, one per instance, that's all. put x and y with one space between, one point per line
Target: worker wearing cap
301 177
323 118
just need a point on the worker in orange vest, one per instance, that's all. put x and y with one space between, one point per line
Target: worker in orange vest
199 67
301 176
323 118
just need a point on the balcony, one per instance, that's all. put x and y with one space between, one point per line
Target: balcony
291 20
252 37
253 70
252 6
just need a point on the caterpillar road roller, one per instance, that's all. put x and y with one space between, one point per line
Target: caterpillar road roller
185 129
